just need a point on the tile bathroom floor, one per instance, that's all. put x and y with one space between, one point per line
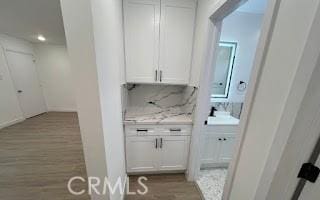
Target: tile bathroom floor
211 182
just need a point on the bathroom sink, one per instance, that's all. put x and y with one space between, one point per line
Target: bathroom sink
222 118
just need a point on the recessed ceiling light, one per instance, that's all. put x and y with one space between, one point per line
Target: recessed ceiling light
41 38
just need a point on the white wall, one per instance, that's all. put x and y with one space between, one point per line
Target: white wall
200 40
94 39
205 9
77 20
244 29
55 77
54 72
109 48
10 111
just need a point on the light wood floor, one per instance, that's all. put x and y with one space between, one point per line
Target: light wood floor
165 187
39 155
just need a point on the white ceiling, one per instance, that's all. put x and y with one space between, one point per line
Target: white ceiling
254 6
27 18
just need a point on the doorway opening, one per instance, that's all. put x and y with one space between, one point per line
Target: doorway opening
235 36
26 82
40 139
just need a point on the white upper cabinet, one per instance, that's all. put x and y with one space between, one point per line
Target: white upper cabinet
176 40
159 40
141 21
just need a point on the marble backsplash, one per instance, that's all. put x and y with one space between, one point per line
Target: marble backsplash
169 97
161 97
234 108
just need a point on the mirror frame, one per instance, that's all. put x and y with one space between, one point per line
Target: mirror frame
231 66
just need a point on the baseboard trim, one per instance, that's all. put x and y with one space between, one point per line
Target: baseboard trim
61 110
9 123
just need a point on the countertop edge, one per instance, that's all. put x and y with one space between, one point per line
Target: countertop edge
157 123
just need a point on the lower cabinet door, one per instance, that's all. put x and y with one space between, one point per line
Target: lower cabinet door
141 154
210 149
174 152
226 148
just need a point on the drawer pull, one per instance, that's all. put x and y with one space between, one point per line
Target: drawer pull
175 129
142 130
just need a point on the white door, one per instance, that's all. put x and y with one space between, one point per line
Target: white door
26 82
176 40
142 154
141 24
226 148
211 149
298 150
174 152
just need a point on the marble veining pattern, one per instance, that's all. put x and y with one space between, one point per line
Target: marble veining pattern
211 183
234 108
160 104
157 116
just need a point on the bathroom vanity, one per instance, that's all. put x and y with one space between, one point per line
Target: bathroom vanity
219 140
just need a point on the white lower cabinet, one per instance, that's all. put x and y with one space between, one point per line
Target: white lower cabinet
141 154
162 150
217 149
211 149
174 153
226 148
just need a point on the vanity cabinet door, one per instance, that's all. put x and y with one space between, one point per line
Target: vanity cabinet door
226 148
141 27
141 154
176 40
217 149
174 153
211 149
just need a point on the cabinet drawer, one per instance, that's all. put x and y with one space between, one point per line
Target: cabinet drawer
175 130
143 130
157 130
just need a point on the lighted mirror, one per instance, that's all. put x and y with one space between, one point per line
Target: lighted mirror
223 69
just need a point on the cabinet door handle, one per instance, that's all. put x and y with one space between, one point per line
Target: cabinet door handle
156 77
156 143
160 75
161 143
142 130
175 129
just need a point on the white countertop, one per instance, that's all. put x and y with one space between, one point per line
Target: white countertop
140 115
222 118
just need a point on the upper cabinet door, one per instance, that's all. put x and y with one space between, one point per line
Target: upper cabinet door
141 24
176 40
